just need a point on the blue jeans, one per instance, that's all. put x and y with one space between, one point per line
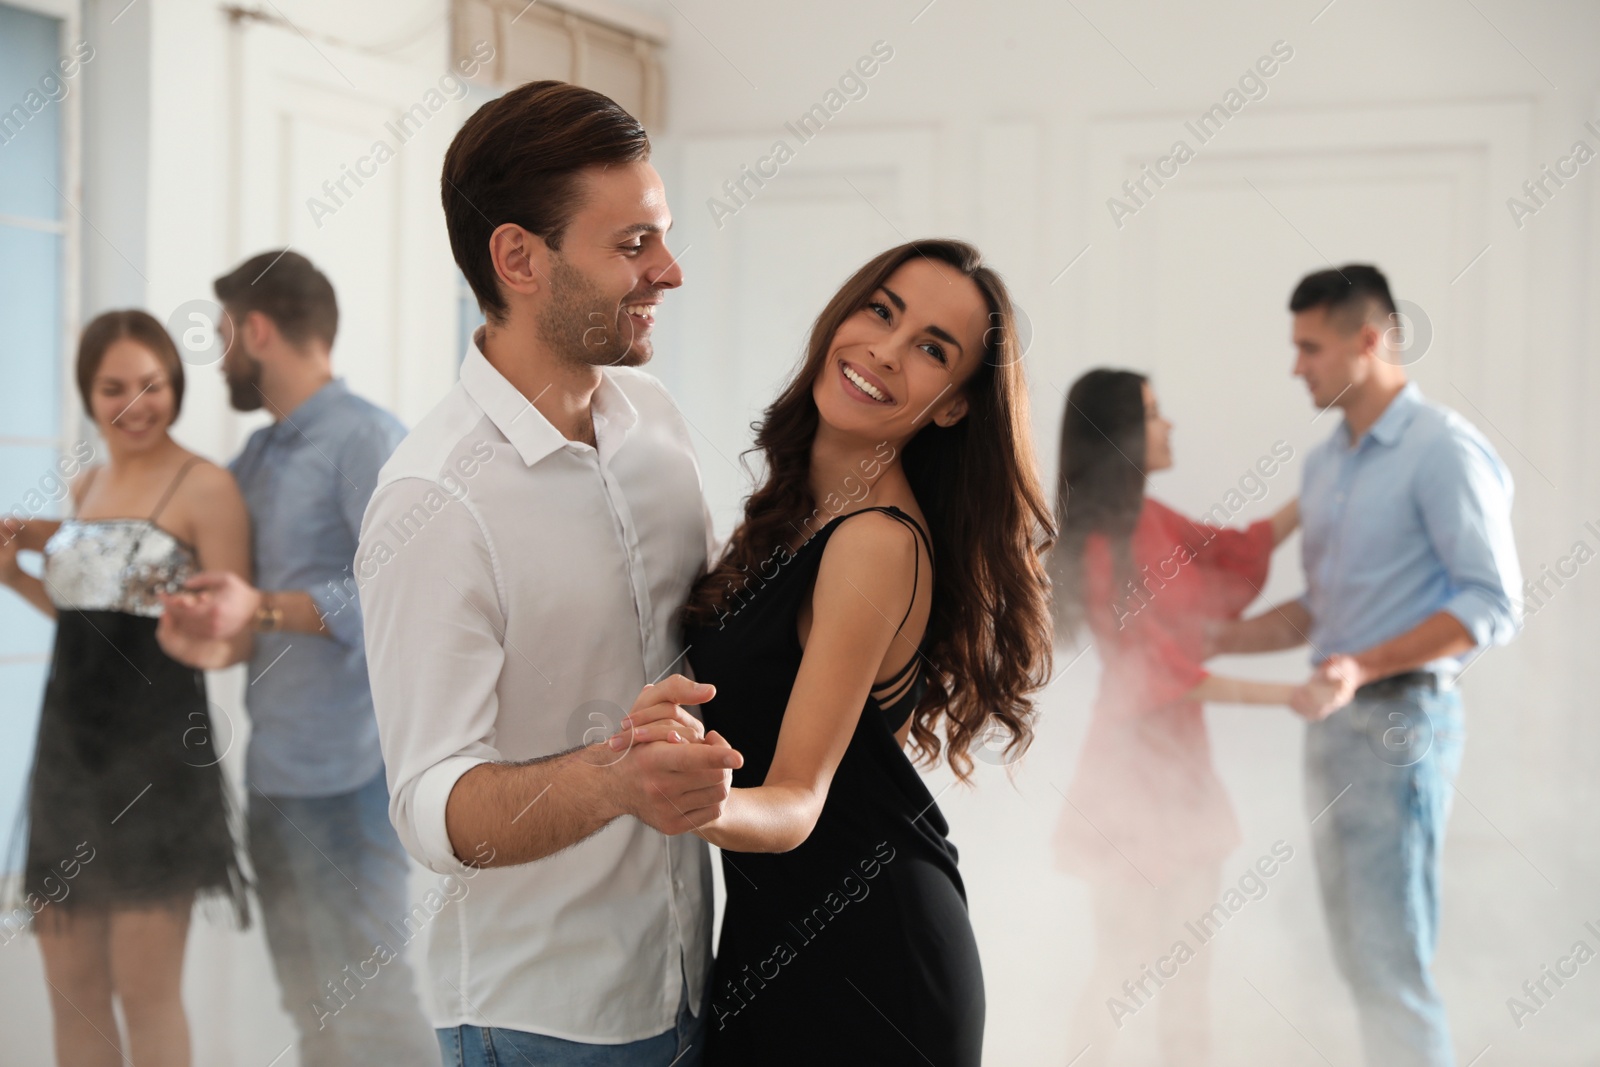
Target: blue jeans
331 875
1378 853
480 1046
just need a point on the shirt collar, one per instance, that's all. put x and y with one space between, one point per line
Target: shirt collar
530 432
1395 418
317 405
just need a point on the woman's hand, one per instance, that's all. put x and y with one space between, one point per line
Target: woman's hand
1320 696
655 719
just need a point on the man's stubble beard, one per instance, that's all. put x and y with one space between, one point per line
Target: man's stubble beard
582 326
244 390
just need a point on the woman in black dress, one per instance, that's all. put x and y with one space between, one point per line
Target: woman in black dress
884 588
127 819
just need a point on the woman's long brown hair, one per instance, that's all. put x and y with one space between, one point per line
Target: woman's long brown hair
988 635
1100 486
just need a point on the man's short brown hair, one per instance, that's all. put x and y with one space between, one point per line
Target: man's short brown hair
287 289
518 159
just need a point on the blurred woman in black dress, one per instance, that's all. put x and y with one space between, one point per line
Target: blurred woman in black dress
127 819
884 591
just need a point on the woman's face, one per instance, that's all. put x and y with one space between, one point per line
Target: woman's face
1157 434
131 397
901 360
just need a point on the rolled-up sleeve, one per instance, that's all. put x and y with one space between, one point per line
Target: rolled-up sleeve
430 594
1464 493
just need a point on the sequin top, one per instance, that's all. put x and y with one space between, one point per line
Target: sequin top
115 565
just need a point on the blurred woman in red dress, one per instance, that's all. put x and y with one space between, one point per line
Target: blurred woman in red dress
1147 822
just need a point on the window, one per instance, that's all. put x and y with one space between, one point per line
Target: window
36 235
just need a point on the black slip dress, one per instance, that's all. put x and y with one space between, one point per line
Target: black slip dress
855 947
127 807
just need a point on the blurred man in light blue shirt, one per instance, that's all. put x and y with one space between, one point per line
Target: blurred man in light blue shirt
1411 571
329 868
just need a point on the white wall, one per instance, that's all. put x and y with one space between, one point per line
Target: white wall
1394 134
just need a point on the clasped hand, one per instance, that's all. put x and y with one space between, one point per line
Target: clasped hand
1331 686
676 776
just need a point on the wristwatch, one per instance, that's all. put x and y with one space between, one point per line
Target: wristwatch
268 615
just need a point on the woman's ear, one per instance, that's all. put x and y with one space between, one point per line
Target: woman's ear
952 413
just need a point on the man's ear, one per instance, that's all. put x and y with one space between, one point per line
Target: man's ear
259 330
953 412
1371 340
521 259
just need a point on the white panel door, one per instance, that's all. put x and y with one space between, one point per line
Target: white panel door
338 157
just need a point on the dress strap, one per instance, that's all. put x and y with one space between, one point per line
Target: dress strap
172 487
916 565
902 682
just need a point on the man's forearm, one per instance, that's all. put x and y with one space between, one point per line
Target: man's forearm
1273 630
527 811
298 613
1436 637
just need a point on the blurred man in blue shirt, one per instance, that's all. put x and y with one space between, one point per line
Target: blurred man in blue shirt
330 870
1410 571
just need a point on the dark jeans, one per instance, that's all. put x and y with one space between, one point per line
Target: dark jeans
331 874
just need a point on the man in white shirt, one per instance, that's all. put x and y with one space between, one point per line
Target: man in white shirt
521 567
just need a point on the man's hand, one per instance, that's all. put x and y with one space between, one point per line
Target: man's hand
1330 687
680 782
213 606
202 653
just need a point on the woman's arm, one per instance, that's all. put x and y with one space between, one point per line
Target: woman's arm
1285 521
864 581
29 535
26 585
1313 700
1217 689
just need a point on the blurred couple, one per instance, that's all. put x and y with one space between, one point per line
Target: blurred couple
539 579
149 583
1409 566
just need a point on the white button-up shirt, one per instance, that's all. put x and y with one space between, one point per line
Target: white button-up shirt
519 590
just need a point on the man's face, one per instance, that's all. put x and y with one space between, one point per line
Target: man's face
1329 354
241 370
611 271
